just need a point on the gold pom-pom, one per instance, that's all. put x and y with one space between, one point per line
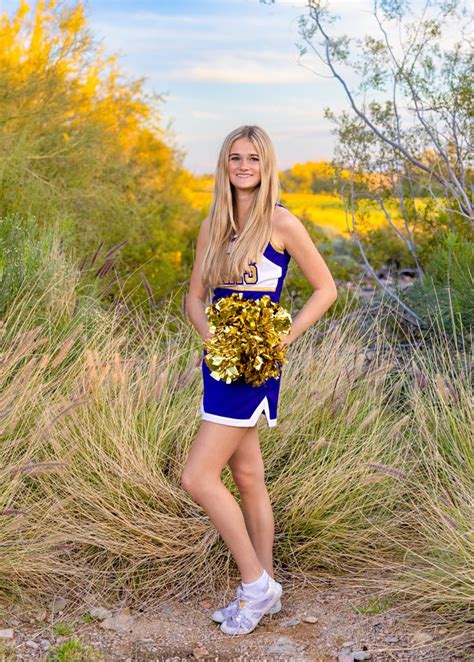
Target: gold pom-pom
247 333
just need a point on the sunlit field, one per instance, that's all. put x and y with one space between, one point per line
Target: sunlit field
324 209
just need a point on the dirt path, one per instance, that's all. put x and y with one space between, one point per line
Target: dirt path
179 631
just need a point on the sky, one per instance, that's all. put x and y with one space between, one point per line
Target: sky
222 63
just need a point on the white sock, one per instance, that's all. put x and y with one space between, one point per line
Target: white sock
256 588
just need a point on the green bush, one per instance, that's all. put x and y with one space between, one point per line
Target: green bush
384 247
445 295
23 250
340 254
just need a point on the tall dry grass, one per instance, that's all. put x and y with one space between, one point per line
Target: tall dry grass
369 469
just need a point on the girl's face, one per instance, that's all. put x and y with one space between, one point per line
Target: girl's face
244 164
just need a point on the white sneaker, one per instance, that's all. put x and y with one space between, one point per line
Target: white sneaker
250 611
220 615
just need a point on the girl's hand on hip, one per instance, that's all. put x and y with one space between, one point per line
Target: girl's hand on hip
285 340
207 336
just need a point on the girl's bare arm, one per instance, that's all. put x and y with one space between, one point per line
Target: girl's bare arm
299 244
197 294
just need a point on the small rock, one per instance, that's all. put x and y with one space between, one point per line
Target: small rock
44 644
310 619
345 657
283 646
348 644
6 634
100 612
124 612
58 605
31 644
443 631
421 637
361 655
119 623
200 651
41 615
392 640
147 640
207 604
291 623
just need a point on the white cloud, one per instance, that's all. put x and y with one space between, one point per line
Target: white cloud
293 109
204 115
145 32
264 68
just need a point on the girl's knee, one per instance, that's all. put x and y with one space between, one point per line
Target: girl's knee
196 485
186 480
249 479
189 481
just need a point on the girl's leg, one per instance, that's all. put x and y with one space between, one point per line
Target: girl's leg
248 471
210 452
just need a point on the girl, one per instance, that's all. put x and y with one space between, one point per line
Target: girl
245 245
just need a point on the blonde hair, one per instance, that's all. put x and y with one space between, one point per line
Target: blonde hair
218 266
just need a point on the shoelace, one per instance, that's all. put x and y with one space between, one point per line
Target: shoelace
239 618
231 607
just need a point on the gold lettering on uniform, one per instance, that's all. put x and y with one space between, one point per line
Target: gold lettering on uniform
235 282
250 276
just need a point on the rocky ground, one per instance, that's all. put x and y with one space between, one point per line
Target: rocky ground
318 623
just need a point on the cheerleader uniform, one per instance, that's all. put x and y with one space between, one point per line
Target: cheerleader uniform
239 403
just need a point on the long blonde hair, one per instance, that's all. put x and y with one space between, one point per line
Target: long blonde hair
218 266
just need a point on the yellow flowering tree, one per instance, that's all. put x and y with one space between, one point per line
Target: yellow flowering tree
83 143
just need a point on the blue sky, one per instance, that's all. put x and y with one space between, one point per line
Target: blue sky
223 63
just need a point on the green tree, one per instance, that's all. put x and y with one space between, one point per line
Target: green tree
407 133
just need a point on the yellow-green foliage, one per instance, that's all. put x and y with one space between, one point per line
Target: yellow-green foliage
83 143
322 177
327 210
200 193
309 177
324 209
369 469
73 651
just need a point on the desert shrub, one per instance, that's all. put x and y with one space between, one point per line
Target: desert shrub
383 247
24 249
445 295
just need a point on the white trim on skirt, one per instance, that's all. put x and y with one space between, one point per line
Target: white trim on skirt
241 422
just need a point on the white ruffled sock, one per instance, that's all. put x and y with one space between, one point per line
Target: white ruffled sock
258 587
